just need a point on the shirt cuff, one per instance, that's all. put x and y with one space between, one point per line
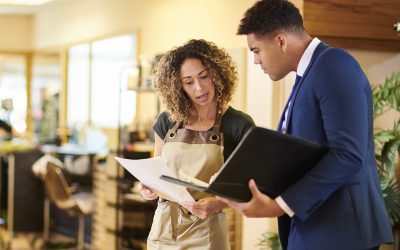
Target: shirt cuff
282 204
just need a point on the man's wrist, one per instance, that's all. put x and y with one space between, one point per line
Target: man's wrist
283 205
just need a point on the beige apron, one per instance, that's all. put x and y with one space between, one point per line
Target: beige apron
200 155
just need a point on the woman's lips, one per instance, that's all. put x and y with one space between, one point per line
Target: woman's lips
203 97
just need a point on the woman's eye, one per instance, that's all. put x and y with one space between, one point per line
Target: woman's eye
204 77
188 83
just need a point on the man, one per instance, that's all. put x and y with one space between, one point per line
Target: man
338 204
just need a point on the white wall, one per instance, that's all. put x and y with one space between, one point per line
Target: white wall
259 94
378 66
162 23
16 33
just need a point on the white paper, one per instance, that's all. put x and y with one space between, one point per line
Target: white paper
148 171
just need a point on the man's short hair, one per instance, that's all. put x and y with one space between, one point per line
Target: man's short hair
269 17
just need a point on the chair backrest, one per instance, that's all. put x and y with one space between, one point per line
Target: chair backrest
57 188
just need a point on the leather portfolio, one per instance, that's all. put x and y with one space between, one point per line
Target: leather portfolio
273 159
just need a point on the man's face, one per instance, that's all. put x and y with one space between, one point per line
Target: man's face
269 53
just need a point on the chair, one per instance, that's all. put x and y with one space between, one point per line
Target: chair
61 194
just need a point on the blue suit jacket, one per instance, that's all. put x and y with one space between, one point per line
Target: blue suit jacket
338 205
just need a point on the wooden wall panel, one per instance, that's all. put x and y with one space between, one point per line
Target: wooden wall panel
365 24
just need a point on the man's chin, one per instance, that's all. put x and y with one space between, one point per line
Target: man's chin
271 77
275 78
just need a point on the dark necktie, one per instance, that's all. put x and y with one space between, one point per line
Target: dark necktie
283 124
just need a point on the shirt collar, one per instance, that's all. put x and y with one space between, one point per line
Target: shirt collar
306 57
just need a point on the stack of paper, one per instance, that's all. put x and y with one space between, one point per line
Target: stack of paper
148 171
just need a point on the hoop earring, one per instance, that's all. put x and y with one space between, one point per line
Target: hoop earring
219 96
219 90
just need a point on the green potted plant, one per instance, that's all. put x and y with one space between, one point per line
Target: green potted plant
269 241
387 149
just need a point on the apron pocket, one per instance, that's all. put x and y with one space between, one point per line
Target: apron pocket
165 223
192 227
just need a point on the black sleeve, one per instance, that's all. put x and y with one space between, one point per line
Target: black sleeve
162 125
234 126
4 125
244 124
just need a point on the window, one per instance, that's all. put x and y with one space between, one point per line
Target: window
78 86
45 96
110 58
95 96
13 95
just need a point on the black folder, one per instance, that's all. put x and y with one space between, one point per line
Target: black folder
273 159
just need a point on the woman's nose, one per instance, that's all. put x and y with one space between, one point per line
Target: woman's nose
197 84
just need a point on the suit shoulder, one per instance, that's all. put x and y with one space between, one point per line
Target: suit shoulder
336 60
335 68
333 55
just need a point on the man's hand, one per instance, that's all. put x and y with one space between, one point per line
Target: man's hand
146 192
260 204
207 207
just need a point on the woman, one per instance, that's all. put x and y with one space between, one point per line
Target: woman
194 136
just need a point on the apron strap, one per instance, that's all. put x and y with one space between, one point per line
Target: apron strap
216 129
172 132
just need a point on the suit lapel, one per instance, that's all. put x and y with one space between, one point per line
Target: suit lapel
320 48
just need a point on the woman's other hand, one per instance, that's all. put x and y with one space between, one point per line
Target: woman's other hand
146 192
207 207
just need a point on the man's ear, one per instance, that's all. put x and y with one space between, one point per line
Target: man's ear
281 39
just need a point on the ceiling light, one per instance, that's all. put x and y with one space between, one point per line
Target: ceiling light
24 2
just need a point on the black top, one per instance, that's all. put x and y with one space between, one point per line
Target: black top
234 125
7 127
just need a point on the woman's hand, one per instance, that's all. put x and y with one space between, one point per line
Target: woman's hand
146 192
207 207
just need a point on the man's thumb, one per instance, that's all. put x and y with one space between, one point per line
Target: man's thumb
253 188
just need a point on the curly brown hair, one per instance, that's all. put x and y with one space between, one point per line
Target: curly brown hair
167 83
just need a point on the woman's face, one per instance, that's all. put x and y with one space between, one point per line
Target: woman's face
197 82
